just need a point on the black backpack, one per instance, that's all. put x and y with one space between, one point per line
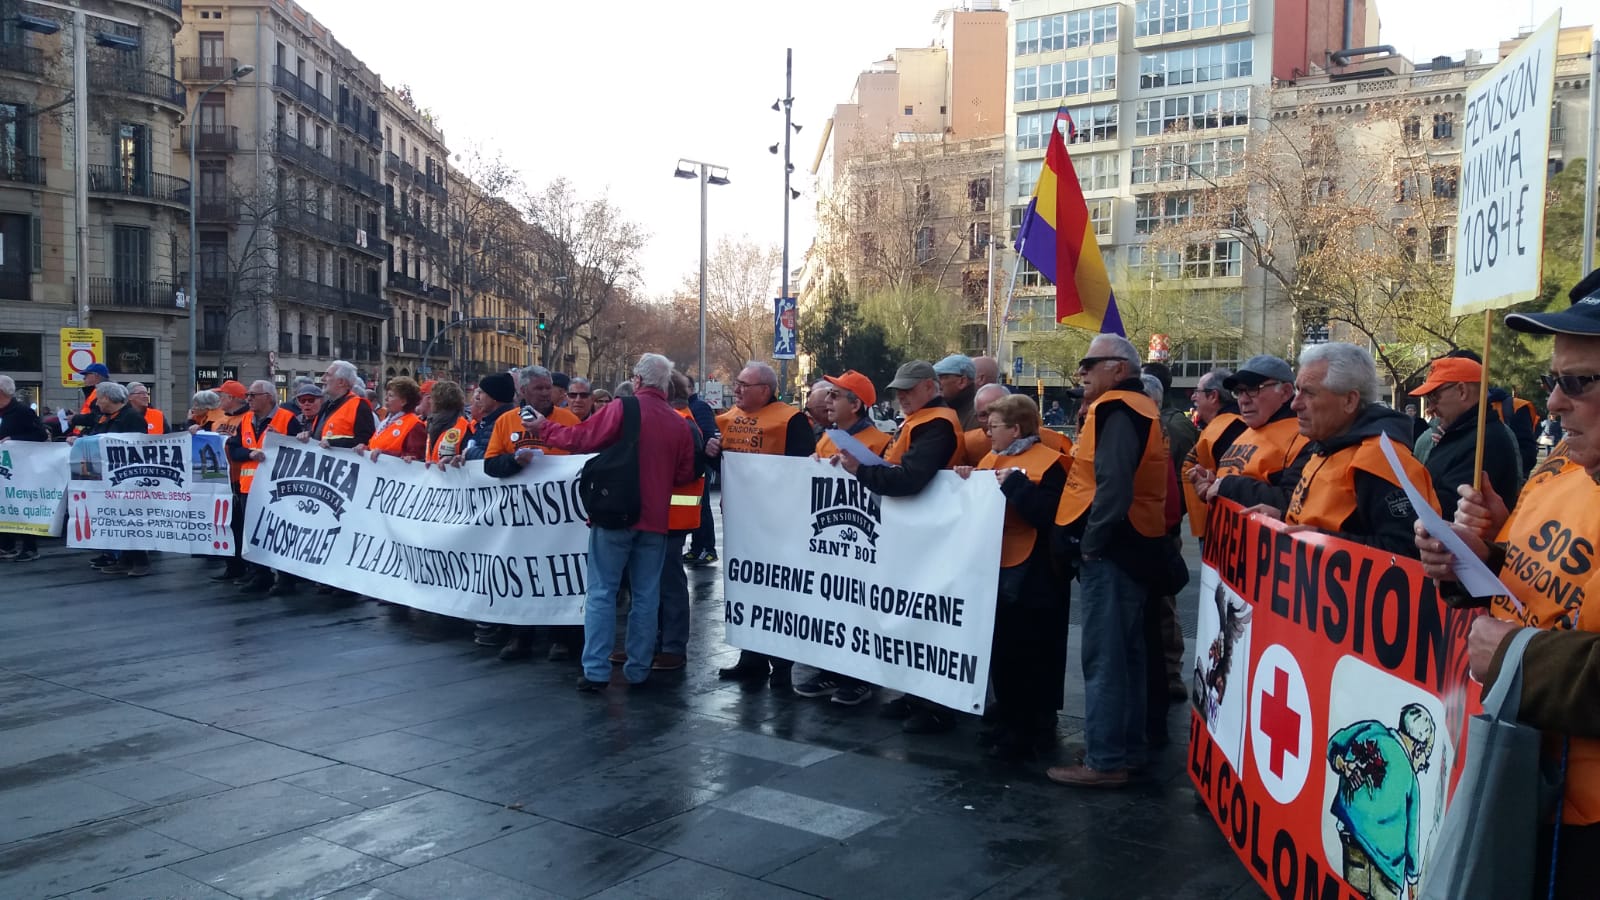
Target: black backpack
609 483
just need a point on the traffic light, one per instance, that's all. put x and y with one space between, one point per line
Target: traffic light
542 324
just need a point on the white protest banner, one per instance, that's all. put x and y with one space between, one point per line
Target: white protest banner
1505 144
151 492
453 541
897 591
35 480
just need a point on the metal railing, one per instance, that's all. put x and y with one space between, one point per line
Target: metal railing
144 185
218 209
305 345
130 80
363 241
309 223
307 157
211 341
324 347
218 140
23 169
391 162
27 60
292 84
329 297
131 293
172 6
215 286
207 68
285 342
361 181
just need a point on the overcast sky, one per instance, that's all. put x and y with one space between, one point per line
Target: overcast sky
610 95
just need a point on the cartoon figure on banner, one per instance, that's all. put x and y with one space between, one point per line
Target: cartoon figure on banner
1222 646
1378 804
84 458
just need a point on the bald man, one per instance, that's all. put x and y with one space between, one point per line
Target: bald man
977 439
988 370
819 409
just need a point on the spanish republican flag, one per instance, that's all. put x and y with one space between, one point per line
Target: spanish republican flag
1058 239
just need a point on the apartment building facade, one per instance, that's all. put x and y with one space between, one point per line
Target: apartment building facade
1138 77
416 186
135 198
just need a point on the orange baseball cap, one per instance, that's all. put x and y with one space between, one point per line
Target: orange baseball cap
1449 370
231 388
856 383
427 386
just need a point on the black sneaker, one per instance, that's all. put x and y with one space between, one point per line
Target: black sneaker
818 685
898 708
25 556
585 686
928 721
690 557
559 653
103 560
10 554
707 557
852 694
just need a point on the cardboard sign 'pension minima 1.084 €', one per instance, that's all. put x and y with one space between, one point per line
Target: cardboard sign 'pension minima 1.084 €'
1504 145
898 591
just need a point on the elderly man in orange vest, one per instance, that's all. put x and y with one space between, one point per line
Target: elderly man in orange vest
1113 516
761 423
139 398
1346 486
244 449
345 419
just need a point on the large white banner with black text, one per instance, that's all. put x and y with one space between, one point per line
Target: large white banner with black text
151 492
454 541
34 476
897 591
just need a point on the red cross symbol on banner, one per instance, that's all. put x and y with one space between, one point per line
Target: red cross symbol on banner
1279 722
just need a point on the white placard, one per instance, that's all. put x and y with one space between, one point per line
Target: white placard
33 487
1504 147
897 591
150 492
453 541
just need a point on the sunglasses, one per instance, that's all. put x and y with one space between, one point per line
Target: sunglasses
578 393
1089 362
1571 385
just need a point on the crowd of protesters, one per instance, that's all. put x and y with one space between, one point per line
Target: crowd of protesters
1100 503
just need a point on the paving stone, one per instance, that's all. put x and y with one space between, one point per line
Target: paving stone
423 827
284 867
562 859
66 861
362 787
950 861
248 763
156 783
685 878
729 840
164 884
617 804
53 806
453 878
242 815
395 751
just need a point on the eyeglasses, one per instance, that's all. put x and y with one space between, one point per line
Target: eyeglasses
747 385
1571 385
304 400
578 393
1254 392
1202 391
1089 362
256 394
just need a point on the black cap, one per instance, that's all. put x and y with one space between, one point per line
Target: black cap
1582 318
561 380
498 386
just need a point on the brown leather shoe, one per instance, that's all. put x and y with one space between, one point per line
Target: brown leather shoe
1083 776
618 657
667 662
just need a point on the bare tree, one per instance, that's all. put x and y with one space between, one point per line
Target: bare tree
491 251
588 253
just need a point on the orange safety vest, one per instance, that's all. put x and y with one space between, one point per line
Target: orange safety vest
1148 513
977 445
392 438
1325 498
1056 441
462 426
876 439
1203 454
252 441
764 431
342 424
1018 537
902 440
683 514
1517 404
1551 567
88 407
510 435
154 421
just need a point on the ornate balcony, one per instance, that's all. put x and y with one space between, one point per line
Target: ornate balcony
129 293
139 185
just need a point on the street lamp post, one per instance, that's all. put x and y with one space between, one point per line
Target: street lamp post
789 193
194 223
702 171
427 352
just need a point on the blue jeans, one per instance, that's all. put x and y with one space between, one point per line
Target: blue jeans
613 551
1113 666
705 537
674 597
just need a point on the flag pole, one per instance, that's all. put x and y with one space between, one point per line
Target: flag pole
1483 403
1011 290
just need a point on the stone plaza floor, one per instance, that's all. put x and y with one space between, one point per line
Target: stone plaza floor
166 738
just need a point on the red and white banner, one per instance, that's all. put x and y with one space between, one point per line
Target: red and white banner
1330 696
150 492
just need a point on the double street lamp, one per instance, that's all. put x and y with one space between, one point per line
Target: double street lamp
194 218
708 173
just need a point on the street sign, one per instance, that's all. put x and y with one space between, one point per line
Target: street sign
1016 366
80 349
785 318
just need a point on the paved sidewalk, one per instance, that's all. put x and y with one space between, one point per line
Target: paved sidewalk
164 738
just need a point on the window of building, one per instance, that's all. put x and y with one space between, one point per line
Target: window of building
1027 84
1167 16
213 179
1100 216
1196 65
1214 109
211 49
1078 28
1103 73
1098 172
1028 176
130 258
924 199
910 111
1222 259
1076 78
1105 24
213 254
1444 125
1051 77
1408 189
133 156
1027 37
1096 123
977 240
1411 128
1439 243
1444 182
1151 213
1052 31
1033 130
1194 358
978 194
